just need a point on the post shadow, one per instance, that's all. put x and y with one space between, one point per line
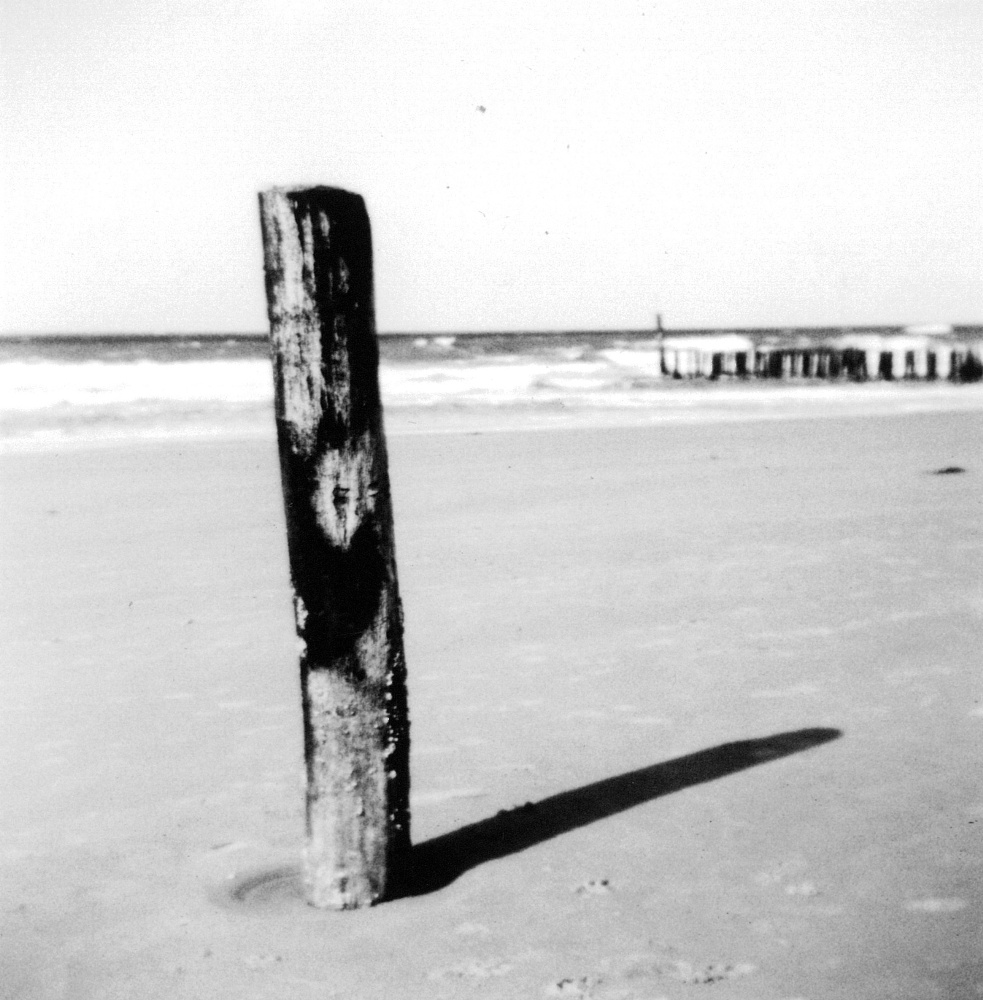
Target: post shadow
438 862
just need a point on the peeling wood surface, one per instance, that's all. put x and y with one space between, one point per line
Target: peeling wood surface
334 471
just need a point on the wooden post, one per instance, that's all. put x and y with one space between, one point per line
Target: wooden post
318 261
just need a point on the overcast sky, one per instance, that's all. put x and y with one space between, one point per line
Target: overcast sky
526 164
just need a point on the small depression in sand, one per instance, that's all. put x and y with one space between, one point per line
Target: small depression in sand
274 886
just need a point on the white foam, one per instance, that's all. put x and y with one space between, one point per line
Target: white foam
501 382
722 343
63 403
647 361
930 329
38 385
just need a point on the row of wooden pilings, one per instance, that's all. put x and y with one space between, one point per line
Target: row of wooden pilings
887 358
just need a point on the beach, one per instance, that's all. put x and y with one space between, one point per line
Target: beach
720 672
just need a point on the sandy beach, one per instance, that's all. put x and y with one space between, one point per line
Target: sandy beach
722 677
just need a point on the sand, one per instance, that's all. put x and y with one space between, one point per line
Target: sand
732 667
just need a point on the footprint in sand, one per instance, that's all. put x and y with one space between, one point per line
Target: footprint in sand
805 889
802 889
471 969
260 962
640 967
795 691
594 887
470 929
783 871
693 973
572 989
714 972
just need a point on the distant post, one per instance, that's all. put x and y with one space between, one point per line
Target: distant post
334 470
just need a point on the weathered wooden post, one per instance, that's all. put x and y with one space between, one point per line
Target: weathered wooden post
318 261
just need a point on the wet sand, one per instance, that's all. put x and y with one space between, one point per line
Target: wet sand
732 667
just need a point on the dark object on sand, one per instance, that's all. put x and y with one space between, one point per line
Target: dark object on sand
334 470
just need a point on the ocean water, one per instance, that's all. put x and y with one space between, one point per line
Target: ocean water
78 388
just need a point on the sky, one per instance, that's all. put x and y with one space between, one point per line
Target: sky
526 164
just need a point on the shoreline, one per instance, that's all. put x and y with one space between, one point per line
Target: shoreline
673 404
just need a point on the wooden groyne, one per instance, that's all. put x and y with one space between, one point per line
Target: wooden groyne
855 357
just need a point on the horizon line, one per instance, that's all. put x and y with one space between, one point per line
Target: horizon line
568 331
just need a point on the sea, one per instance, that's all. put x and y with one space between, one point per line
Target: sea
84 388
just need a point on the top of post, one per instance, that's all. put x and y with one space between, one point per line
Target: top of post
318 260
322 194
